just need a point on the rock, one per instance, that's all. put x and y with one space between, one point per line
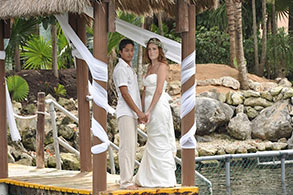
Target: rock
221 151
250 93
239 109
251 112
65 131
230 82
210 94
231 149
237 98
288 93
255 86
174 88
257 102
210 114
268 85
261 146
290 142
25 159
241 150
279 146
258 108
29 139
273 122
276 90
268 145
282 140
240 127
251 148
266 95
70 161
284 82
30 109
207 151
17 107
222 97
68 104
51 162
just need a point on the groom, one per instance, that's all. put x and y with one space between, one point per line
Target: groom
128 111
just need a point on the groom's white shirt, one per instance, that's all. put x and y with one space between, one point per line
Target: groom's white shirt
124 75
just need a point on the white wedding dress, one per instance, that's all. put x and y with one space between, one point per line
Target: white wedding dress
157 168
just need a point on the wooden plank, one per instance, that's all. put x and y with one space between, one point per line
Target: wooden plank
40 159
150 191
188 155
7 29
3 121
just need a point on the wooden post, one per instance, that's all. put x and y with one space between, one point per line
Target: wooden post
188 47
40 130
78 24
3 119
100 52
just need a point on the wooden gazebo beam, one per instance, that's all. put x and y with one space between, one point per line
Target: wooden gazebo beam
78 24
186 26
3 121
100 52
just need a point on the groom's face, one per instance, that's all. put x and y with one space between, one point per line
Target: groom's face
127 53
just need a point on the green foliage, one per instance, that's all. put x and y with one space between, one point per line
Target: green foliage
21 31
60 90
212 46
280 53
17 87
168 33
65 59
37 53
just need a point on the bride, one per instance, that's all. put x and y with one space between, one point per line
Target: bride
157 168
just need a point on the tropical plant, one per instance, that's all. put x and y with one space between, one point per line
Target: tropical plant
37 53
60 90
17 87
282 63
212 46
21 31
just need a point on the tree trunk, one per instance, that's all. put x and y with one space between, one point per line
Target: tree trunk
160 23
17 59
274 18
264 38
140 68
54 50
231 29
290 25
239 46
256 60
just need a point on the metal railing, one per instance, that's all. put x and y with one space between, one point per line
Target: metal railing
219 166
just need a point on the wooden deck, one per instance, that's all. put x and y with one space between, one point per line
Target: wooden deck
50 179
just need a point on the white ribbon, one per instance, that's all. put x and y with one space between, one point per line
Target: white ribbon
188 141
15 136
2 55
99 71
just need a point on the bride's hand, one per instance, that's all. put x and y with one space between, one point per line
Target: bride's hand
148 116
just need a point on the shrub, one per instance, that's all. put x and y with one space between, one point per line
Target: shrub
17 87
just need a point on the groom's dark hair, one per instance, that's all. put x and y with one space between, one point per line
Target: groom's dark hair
125 42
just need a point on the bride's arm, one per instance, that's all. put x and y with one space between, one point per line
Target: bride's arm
142 99
161 77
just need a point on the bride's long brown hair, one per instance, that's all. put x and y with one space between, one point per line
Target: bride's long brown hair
161 57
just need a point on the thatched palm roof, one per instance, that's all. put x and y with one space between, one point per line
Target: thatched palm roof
18 8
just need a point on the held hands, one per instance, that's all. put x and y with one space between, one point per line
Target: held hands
143 117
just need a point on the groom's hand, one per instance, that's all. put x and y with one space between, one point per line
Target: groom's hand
142 117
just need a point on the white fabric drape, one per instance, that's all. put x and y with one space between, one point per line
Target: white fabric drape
140 36
99 71
188 100
10 117
2 55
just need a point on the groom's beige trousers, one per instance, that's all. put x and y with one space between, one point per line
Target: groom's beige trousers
127 149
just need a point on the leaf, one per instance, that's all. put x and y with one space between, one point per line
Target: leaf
17 87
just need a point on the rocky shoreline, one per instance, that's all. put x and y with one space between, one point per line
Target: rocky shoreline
259 119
